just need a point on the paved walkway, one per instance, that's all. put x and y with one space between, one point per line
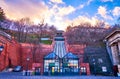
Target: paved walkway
56 77
18 75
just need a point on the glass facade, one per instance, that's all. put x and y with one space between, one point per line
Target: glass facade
67 65
71 66
51 64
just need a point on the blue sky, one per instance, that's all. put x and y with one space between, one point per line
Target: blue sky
62 13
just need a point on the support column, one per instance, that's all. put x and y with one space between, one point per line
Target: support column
115 55
119 47
119 51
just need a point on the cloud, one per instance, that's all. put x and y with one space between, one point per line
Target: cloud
58 15
80 6
116 11
104 13
89 1
17 9
62 11
57 1
37 11
52 13
76 21
84 19
85 4
107 0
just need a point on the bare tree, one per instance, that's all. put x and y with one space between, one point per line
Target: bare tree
52 31
21 27
2 14
82 34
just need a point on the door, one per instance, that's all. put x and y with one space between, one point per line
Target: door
37 70
83 71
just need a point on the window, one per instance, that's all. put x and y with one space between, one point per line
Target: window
100 60
53 63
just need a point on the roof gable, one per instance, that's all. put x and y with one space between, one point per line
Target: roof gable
71 56
112 34
51 56
5 34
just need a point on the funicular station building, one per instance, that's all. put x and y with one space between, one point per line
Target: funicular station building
60 61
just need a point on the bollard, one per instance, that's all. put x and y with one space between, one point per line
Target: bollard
33 73
27 73
23 73
30 72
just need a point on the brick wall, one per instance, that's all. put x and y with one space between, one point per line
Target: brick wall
27 51
10 56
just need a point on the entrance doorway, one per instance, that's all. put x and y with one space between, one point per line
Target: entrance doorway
10 63
51 68
37 70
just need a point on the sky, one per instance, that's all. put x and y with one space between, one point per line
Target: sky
62 13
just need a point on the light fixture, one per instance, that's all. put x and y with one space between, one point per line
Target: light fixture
28 59
1 48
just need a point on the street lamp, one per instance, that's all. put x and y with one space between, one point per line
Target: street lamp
1 48
28 59
94 66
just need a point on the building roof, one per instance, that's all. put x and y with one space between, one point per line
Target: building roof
59 39
52 55
5 35
60 49
112 33
71 56
60 31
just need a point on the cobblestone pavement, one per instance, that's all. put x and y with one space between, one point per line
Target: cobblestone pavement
19 76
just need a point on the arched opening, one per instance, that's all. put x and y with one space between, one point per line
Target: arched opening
9 63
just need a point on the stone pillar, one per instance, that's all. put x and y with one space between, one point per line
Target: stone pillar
119 47
114 55
119 51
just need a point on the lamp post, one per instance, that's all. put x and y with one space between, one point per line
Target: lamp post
28 59
94 66
1 48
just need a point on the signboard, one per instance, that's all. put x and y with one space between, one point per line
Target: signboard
66 64
52 64
104 69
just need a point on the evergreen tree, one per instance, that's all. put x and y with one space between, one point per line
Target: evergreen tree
2 15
